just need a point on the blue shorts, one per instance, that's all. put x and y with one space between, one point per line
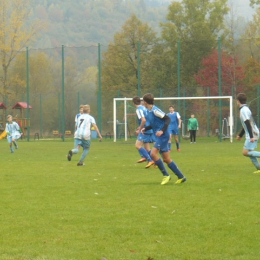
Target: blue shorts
174 131
250 146
146 138
161 142
84 143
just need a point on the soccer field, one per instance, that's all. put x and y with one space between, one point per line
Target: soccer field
115 209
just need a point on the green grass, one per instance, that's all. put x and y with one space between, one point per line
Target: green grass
50 209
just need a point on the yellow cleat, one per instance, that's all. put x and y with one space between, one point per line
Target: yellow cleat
165 180
257 172
149 164
180 180
141 160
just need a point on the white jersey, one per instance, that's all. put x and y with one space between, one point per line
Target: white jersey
92 119
83 126
245 114
12 129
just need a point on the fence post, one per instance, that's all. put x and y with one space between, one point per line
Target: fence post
28 93
139 68
63 94
99 89
220 85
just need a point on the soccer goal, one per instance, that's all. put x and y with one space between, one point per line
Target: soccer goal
124 106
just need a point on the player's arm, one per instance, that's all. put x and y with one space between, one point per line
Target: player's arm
167 121
96 128
249 129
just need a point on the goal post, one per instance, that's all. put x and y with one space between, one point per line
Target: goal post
230 98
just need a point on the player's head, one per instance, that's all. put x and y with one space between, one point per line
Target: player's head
9 118
171 108
148 98
86 109
136 100
192 115
241 98
81 109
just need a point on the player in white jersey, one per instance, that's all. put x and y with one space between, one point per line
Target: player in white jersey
250 130
13 132
82 136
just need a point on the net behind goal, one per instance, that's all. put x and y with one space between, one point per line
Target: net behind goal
210 113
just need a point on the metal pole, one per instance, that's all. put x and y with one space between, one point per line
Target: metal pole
208 125
179 71
63 95
41 115
28 93
220 85
99 88
139 68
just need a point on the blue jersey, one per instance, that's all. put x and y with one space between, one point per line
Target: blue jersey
155 117
141 112
245 114
174 124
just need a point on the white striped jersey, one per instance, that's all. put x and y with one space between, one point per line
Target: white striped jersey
12 128
83 125
245 114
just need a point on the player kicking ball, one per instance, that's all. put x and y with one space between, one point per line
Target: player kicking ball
13 132
159 122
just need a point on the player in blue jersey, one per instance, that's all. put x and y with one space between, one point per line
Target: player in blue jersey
13 132
82 136
159 122
143 138
250 130
174 126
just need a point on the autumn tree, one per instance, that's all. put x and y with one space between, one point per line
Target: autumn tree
197 25
232 73
120 61
16 33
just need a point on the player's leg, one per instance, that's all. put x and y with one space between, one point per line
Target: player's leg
170 141
176 138
248 151
10 140
139 146
86 147
173 166
75 150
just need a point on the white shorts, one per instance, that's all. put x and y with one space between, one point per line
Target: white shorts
249 145
13 136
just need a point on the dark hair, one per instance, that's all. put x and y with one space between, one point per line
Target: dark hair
171 106
136 100
148 98
241 97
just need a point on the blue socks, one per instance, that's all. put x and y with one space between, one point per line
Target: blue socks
176 170
162 168
145 154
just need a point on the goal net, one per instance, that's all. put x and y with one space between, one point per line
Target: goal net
214 114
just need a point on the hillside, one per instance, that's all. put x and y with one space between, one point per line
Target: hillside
82 23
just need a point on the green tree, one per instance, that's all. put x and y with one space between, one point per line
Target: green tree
120 61
254 2
197 24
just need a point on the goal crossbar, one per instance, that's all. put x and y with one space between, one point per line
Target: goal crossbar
169 98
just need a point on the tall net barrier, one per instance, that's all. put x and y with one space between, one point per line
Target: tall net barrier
55 82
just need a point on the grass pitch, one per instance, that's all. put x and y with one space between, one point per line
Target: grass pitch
115 209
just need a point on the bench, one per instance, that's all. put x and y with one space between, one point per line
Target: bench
67 133
55 133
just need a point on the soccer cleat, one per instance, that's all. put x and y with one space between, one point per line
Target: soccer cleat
180 180
155 166
12 150
257 172
149 164
69 155
178 150
165 180
81 164
141 160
